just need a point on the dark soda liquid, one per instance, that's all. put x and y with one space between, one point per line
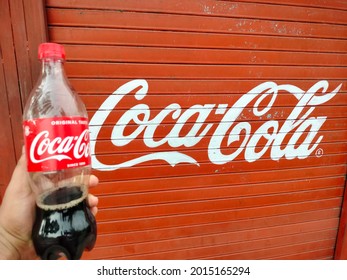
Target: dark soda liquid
64 225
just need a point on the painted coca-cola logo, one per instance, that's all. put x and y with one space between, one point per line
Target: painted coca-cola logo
301 124
57 143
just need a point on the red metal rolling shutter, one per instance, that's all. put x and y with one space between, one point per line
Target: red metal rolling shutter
206 55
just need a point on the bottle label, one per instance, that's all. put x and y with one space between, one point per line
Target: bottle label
57 143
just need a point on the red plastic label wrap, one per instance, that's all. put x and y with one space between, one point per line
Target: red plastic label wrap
56 143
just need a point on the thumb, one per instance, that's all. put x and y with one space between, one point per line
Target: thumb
19 184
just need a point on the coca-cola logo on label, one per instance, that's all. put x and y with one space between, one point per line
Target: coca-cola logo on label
57 143
58 148
301 124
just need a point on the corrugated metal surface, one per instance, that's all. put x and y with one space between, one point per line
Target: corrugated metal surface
200 59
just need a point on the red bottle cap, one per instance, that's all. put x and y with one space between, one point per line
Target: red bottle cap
51 50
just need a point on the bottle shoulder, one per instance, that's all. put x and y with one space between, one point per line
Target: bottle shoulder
53 98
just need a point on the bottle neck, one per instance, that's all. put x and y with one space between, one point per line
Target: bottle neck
52 68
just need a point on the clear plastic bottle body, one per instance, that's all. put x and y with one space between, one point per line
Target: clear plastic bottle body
54 97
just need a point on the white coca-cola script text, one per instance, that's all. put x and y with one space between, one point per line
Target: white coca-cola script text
59 148
299 120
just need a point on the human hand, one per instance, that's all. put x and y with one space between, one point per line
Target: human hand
17 214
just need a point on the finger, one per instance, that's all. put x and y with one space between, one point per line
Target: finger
93 203
93 181
92 200
94 210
